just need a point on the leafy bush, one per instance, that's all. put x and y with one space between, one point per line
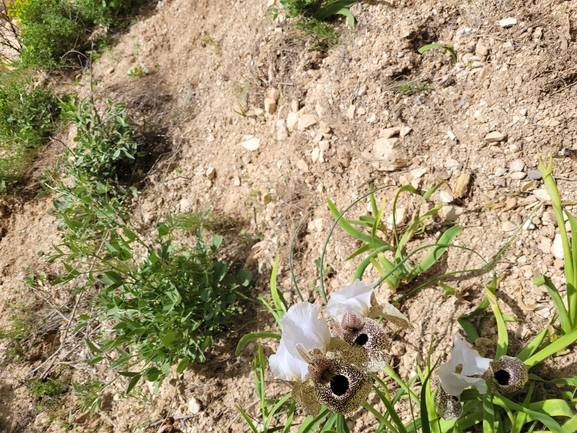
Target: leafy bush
167 308
28 112
164 304
49 30
104 141
52 28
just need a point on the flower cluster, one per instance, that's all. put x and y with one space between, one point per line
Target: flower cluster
331 369
467 368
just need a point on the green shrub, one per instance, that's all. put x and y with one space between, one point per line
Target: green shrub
104 141
28 112
49 30
167 309
105 12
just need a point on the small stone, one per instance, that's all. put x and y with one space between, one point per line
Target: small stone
450 213
508 46
523 112
315 154
545 245
389 132
527 271
510 204
193 406
446 197
266 197
405 130
418 172
273 94
442 174
500 172
110 70
351 112
528 225
534 174
541 194
517 165
236 181
324 145
481 49
292 120
508 226
361 111
453 164
518 176
302 166
211 173
507 22
389 156
269 105
553 122
451 135
251 144
306 121
281 130
558 246
494 137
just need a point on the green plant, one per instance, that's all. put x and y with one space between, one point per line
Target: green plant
567 314
138 71
310 18
89 394
105 13
28 113
49 30
400 269
105 140
191 222
167 308
49 388
449 48
506 396
241 90
411 88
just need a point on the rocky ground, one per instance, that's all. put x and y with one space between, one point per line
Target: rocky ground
259 128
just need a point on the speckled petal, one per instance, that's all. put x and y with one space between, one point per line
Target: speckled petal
509 374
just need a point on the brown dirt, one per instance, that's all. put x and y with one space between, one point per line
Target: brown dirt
519 81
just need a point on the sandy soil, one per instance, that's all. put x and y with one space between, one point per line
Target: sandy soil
510 97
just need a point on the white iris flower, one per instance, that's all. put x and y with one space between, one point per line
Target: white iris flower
355 299
301 326
459 372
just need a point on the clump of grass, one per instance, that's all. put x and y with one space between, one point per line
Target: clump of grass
192 222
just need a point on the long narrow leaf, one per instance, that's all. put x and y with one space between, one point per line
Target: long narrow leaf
247 338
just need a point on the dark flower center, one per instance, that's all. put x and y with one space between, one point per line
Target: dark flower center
503 377
339 384
361 339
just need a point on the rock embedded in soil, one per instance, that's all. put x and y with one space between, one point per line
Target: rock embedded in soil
388 157
518 175
390 132
517 165
494 137
507 22
269 105
534 174
500 172
251 143
508 226
453 164
558 247
306 121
